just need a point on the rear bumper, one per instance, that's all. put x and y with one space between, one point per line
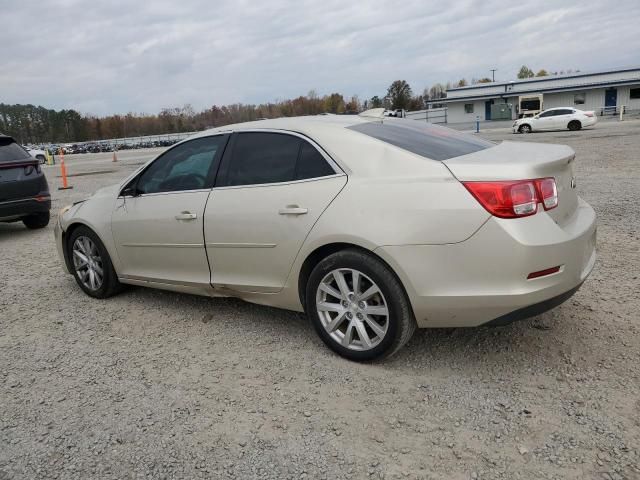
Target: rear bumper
484 278
16 209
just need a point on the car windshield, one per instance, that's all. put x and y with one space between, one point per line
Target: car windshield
10 151
424 139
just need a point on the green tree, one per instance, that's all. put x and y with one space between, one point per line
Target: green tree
542 73
399 94
375 102
484 80
462 83
525 72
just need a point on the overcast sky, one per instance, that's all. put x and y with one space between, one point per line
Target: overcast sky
117 56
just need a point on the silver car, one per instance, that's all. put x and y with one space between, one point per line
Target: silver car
372 226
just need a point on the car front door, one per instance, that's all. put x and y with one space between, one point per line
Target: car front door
545 121
271 189
157 223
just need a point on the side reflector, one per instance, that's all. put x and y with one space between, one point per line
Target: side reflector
543 273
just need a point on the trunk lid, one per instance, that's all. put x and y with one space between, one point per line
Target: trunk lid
523 161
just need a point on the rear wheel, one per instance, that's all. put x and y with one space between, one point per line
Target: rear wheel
92 267
574 125
37 220
358 307
525 128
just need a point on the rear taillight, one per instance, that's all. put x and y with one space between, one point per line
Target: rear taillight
588 114
548 192
515 199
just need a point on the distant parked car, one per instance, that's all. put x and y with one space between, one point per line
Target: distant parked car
24 192
555 119
39 155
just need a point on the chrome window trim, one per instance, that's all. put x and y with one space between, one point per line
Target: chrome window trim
173 192
274 184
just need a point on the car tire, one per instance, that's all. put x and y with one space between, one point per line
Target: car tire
574 125
344 319
525 128
37 220
87 244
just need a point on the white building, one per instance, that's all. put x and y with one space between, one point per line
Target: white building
604 92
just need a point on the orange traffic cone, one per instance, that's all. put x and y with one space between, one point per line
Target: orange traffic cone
63 172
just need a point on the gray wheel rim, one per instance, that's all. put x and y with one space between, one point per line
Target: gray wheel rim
88 263
526 129
352 309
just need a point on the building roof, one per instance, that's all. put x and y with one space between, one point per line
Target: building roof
548 84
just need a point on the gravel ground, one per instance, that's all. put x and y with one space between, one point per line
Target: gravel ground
151 384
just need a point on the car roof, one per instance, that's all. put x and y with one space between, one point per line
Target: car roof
356 153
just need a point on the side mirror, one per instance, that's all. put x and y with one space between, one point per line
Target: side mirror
129 191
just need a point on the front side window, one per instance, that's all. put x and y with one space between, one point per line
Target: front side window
266 157
548 113
189 166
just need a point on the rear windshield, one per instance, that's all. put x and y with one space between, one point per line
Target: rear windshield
424 139
10 151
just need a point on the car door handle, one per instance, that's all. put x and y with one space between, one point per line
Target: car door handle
186 216
293 210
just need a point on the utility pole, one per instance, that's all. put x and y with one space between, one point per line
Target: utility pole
493 74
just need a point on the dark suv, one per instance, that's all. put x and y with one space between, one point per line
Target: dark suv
24 192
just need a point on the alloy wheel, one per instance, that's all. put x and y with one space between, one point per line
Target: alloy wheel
352 309
88 263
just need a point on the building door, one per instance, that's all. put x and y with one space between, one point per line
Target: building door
487 109
610 100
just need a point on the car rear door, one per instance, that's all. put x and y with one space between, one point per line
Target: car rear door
562 117
271 189
158 219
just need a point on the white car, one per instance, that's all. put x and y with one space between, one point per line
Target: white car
40 155
555 119
371 225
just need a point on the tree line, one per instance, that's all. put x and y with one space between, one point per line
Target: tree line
31 124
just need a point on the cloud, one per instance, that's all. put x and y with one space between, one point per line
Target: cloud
122 56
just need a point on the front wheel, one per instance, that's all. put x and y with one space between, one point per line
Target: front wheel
92 267
358 307
525 128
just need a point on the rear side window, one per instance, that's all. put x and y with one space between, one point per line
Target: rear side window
311 163
10 151
258 158
424 139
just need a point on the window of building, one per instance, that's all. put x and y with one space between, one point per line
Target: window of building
468 108
579 98
634 93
